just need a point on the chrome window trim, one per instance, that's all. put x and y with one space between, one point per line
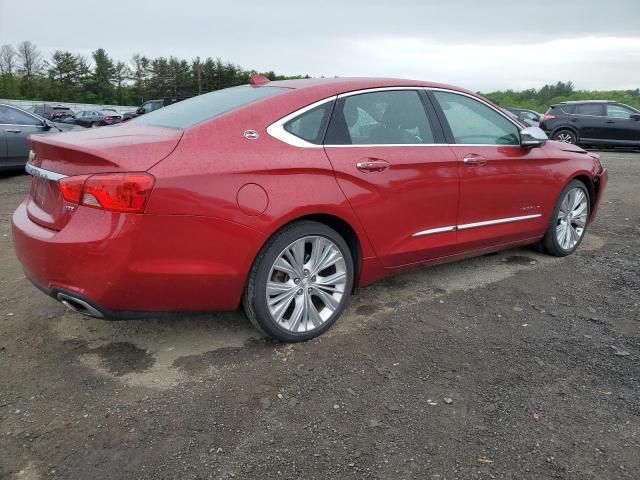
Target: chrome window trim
467 226
276 129
42 173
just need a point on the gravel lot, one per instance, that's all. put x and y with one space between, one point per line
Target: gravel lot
508 366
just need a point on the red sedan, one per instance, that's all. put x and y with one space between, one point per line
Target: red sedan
284 196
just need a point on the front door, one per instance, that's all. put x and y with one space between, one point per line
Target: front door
401 184
502 185
621 127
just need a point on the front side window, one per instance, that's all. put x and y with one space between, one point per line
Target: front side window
309 125
619 111
473 122
12 116
394 117
590 109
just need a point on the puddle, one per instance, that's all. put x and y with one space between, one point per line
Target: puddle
121 358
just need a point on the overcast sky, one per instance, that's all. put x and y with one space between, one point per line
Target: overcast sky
479 44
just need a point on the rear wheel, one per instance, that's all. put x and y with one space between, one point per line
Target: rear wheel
569 221
565 136
300 283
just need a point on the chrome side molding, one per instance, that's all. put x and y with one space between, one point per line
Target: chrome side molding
467 226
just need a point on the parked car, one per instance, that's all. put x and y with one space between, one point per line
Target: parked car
54 113
15 127
530 117
151 106
95 118
593 122
283 196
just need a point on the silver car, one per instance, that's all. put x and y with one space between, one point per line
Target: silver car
15 126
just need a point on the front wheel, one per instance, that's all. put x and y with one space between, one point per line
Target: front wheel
565 136
300 283
569 221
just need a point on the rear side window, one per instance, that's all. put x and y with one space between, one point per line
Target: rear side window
591 109
380 118
198 109
564 109
310 125
473 122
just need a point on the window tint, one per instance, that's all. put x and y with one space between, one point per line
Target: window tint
380 118
198 109
619 111
569 109
592 109
473 122
12 116
308 126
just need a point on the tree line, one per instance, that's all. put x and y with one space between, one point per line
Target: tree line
67 77
541 99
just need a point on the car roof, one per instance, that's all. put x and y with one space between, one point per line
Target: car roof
573 102
334 86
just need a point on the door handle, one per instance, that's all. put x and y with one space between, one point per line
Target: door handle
372 165
611 121
12 130
474 160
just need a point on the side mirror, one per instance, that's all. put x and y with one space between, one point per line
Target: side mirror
46 125
140 111
635 116
531 137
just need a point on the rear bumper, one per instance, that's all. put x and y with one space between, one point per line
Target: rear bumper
127 265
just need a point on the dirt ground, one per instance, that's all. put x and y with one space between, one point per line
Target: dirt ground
508 366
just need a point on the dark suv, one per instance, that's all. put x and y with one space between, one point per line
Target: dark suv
150 106
593 122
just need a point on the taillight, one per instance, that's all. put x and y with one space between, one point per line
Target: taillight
548 117
118 192
71 188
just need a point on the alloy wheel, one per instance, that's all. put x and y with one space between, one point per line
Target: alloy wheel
565 137
306 284
572 218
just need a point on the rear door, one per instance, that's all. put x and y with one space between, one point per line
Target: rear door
622 128
386 148
503 186
589 121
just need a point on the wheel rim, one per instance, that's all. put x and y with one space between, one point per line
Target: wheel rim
306 284
572 218
565 137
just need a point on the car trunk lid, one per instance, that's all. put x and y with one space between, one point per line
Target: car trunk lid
127 148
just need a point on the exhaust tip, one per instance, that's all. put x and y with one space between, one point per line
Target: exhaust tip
79 306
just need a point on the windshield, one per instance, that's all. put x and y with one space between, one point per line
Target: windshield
192 111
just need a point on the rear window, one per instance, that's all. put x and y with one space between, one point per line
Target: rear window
192 111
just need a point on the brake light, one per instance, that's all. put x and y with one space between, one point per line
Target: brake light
118 192
71 188
548 117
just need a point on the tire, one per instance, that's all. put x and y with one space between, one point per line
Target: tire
574 213
310 303
93 125
565 136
